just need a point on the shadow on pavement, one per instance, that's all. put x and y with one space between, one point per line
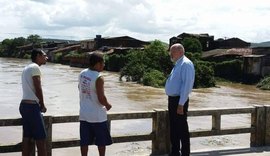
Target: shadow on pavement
248 151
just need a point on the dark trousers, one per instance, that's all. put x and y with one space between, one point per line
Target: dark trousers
179 131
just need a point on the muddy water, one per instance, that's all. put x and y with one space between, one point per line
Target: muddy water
61 93
61 98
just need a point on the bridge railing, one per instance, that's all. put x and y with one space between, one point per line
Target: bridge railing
259 128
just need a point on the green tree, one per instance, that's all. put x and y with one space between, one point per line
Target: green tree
157 57
20 41
35 40
140 62
9 46
204 74
230 70
5 47
192 45
264 83
115 62
153 65
193 56
154 78
135 67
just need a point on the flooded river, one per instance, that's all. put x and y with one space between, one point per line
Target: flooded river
61 92
61 98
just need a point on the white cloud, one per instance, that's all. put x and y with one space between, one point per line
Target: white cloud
146 20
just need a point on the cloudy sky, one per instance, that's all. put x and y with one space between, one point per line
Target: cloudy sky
141 19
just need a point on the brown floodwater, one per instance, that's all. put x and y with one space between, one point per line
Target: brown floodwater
61 98
61 92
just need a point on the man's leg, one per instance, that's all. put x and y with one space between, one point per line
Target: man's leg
174 132
184 136
184 132
28 146
101 150
175 139
41 147
84 150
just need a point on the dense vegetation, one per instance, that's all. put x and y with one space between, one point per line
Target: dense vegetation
192 45
230 70
264 83
115 62
152 66
8 47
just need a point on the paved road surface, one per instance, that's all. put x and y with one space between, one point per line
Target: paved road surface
245 151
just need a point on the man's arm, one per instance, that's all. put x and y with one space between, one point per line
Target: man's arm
187 75
100 93
39 94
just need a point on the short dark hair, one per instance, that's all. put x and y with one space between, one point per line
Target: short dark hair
35 53
95 58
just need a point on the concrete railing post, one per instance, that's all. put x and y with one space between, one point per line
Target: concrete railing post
160 142
216 122
258 122
48 127
267 125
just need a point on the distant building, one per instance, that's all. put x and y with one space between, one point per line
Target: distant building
208 43
219 55
258 64
261 50
106 45
112 44
231 43
205 39
47 45
64 50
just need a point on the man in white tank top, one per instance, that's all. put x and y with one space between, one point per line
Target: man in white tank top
93 107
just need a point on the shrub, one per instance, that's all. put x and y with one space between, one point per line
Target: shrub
154 78
153 64
204 74
58 57
192 45
27 56
133 72
157 57
231 70
193 56
153 57
264 84
75 54
115 62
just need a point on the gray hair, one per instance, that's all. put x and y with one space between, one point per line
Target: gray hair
177 47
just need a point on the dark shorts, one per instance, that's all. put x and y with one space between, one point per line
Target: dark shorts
32 120
97 133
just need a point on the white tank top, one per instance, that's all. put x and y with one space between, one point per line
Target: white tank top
90 108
